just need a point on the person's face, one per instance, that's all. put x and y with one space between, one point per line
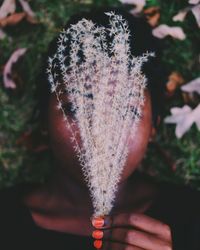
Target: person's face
65 154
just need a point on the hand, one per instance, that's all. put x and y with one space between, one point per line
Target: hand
128 231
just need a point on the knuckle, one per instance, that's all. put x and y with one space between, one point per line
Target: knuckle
130 219
133 218
130 235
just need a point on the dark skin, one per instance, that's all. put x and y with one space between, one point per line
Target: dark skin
64 203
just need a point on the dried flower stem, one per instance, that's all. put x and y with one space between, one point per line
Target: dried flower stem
112 77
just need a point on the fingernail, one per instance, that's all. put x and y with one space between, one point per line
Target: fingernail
98 222
97 234
98 244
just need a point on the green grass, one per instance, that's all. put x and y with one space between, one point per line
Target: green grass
18 164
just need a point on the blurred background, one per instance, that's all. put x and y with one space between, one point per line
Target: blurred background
27 27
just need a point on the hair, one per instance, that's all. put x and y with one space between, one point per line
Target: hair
141 41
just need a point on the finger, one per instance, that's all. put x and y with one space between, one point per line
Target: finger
146 241
114 245
137 238
143 222
151 225
102 222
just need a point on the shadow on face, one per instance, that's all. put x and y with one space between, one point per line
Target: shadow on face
65 156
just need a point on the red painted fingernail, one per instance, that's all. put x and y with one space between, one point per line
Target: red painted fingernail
98 222
97 234
98 244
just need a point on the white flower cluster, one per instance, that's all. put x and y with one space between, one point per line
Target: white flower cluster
112 77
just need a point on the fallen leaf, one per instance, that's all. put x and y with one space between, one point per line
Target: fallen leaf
164 30
139 5
175 79
194 1
31 17
184 118
7 72
192 86
8 7
152 15
12 19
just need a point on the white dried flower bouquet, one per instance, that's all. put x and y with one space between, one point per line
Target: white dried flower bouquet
105 85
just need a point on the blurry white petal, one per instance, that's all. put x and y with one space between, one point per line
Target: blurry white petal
196 116
26 7
194 1
181 15
196 12
8 82
178 114
164 30
184 118
192 86
8 7
183 110
139 5
183 126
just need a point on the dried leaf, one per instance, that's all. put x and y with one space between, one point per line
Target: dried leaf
12 19
7 72
175 79
8 7
153 21
164 30
192 86
153 15
184 118
151 10
134 2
